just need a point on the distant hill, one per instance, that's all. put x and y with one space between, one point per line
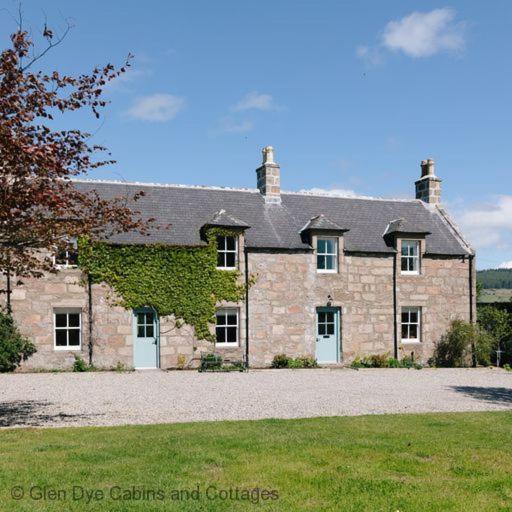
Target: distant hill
495 278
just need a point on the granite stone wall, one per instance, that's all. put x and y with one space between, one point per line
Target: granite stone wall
282 305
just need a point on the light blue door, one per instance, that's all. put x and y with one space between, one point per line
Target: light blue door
327 335
146 339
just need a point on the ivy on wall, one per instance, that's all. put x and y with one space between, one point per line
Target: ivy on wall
179 281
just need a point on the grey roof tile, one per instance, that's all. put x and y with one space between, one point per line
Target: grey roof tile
321 222
182 211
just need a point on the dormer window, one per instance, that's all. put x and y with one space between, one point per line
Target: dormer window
227 252
410 257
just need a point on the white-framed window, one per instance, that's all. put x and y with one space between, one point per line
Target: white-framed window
67 329
227 252
327 255
411 325
226 329
66 259
410 263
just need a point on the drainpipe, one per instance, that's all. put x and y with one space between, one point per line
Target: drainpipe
471 315
471 264
246 255
89 293
395 325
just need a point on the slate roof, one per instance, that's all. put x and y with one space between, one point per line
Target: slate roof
223 219
185 210
402 226
322 223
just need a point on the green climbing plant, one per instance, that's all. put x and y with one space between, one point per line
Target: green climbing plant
179 281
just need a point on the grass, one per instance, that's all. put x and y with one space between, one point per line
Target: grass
492 295
377 463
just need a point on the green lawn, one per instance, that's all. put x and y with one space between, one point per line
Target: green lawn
376 463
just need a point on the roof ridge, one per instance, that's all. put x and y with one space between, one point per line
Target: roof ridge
166 185
360 197
239 189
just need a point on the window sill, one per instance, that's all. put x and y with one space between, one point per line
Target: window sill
69 349
65 267
318 271
411 342
409 273
226 345
226 268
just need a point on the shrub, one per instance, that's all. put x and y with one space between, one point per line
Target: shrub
296 363
210 362
280 361
309 362
182 361
462 345
379 360
507 367
384 361
14 348
498 323
80 365
283 361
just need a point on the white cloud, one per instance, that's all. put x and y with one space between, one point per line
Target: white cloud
334 192
422 34
505 264
489 225
230 125
370 54
156 107
419 34
255 101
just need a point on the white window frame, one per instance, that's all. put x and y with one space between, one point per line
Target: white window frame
413 257
224 311
66 264
228 251
335 254
69 311
410 309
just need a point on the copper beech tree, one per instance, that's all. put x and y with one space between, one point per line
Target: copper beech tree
41 211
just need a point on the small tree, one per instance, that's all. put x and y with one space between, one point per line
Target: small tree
464 344
40 208
14 348
498 323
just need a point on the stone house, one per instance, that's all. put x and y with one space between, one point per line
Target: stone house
336 278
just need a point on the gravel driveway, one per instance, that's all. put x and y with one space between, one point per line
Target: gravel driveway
72 399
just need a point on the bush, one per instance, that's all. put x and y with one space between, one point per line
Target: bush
498 323
296 363
14 348
210 362
182 361
280 361
463 345
81 366
384 361
309 362
283 361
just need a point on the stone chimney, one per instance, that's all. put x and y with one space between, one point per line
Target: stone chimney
428 187
269 177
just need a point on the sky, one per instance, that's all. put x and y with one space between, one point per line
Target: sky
351 94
